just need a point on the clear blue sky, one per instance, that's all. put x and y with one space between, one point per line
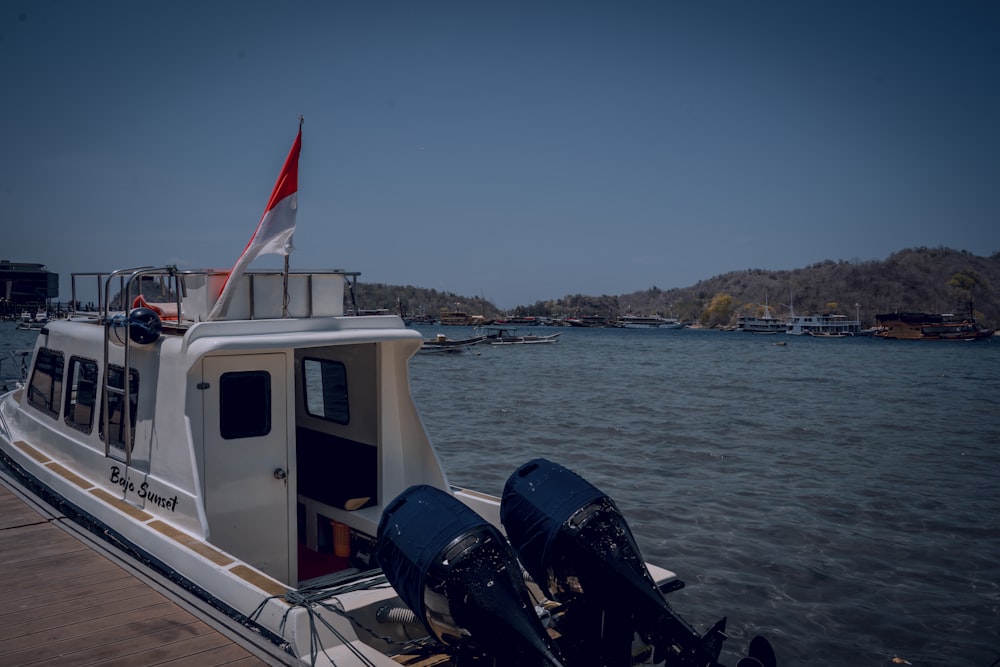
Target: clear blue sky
514 150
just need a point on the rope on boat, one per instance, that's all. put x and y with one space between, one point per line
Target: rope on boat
310 597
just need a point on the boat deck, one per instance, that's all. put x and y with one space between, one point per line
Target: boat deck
63 601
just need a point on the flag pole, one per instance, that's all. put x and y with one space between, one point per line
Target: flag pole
284 302
284 273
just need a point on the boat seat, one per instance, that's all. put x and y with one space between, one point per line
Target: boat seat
164 310
336 471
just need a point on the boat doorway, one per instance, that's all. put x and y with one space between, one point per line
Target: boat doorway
246 436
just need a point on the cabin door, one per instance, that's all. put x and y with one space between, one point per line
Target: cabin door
246 459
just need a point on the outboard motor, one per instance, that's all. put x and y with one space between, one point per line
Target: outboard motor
576 545
143 325
461 578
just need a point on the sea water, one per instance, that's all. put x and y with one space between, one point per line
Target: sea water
839 496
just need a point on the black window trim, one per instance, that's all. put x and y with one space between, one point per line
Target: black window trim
68 400
52 399
306 393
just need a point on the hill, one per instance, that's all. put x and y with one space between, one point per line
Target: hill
936 280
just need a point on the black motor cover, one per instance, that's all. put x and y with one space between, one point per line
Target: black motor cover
576 545
459 575
537 500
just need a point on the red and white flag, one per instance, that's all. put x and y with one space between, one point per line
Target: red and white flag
275 229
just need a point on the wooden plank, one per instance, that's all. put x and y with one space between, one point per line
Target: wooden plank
63 639
69 583
64 603
14 513
171 640
54 568
71 610
37 541
230 655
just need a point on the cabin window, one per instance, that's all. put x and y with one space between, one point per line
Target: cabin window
82 394
326 390
45 388
245 404
114 405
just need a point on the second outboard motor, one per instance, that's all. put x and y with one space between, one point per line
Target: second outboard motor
461 578
575 544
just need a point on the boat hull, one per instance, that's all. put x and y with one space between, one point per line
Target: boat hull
442 344
653 322
634 325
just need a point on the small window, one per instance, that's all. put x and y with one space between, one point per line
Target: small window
45 388
326 390
245 404
82 394
114 404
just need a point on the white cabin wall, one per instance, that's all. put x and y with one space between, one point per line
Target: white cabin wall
169 444
161 455
407 457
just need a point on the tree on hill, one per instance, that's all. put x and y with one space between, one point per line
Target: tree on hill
720 311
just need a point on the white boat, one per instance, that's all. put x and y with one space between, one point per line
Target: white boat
265 460
648 322
823 326
262 450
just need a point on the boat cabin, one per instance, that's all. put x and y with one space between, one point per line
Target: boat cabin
265 433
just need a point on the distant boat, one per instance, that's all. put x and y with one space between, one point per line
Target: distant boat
870 331
459 319
527 321
823 326
34 322
762 325
442 344
927 326
420 319
505 336
648 322
587 321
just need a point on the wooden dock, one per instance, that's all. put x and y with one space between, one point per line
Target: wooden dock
65 599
